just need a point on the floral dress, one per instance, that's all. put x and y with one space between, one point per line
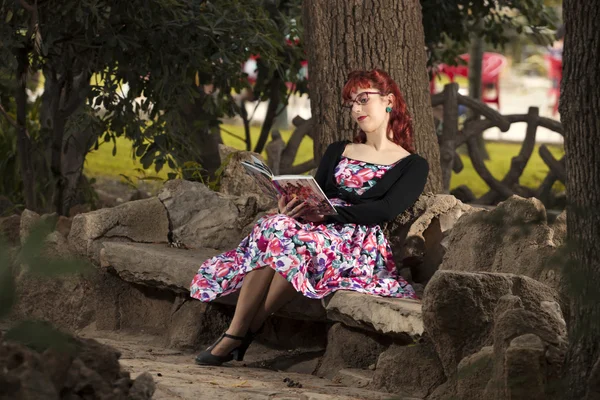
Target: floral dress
317 259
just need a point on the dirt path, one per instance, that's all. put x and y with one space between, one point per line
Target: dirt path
177 377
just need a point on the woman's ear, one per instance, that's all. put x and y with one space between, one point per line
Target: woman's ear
391 99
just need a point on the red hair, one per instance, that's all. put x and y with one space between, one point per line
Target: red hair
400 130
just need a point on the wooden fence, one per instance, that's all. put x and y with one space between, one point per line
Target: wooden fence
452 136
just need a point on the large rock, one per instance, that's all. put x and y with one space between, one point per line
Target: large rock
28 220
385 315
459 309
123 306
529 351
68 301
415 370
136 221
513 238
237 182
10 229
56 246
154 265
474 373
161 267
347 348
423 251
193 323
89 369
203 218
65 285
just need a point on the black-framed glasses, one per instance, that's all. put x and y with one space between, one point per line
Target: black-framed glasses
361 99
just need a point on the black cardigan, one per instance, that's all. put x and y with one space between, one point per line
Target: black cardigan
396 191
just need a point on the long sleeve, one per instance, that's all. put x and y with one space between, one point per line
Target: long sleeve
326 165
403 194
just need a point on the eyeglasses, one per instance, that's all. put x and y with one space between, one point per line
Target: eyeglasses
361 99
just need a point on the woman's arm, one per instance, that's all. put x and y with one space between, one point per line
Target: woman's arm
399 198
328 158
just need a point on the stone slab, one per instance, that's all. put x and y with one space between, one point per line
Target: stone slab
388 316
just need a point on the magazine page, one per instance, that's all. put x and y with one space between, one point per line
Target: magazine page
254 165
262 179
261 165
308 190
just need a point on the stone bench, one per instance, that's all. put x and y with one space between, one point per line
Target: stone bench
159 266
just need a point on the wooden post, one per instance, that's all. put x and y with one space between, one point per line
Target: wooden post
449 132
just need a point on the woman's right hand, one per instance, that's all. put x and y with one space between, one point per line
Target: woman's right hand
292 208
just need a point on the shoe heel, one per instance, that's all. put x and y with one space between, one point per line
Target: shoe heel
239 353
207 358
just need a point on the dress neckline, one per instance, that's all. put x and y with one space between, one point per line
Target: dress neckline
380 165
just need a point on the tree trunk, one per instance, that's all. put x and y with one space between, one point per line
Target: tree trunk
274 102
76 147
475 82
64 93
203 143
579 110
24 146
346 35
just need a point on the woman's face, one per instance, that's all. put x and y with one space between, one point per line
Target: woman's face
368 109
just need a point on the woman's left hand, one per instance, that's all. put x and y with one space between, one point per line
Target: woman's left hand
293 208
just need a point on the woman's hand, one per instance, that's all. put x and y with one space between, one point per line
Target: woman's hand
293 208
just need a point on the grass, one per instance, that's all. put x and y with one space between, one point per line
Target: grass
101 163
499 164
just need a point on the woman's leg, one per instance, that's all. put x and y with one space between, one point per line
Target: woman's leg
280 292
253 291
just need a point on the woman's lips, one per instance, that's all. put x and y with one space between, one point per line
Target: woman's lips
361 118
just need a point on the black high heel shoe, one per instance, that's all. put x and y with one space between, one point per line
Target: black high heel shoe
207 358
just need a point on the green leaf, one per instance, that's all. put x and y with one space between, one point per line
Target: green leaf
140 150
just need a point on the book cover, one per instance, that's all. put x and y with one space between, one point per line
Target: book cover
303 187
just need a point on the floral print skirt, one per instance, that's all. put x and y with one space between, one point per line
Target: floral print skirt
317 259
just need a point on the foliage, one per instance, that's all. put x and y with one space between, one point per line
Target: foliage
449 25
11 184
132 65
276 82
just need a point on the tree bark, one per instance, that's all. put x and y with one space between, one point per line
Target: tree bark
476 82
347 35
579 110
64 94
274 101
202 142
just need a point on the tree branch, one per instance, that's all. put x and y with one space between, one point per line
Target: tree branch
26 5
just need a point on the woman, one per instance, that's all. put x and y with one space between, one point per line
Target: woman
370 181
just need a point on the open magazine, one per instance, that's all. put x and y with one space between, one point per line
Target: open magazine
303 186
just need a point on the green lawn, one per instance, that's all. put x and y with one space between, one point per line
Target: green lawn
101 163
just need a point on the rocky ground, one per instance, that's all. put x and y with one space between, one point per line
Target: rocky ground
265 374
